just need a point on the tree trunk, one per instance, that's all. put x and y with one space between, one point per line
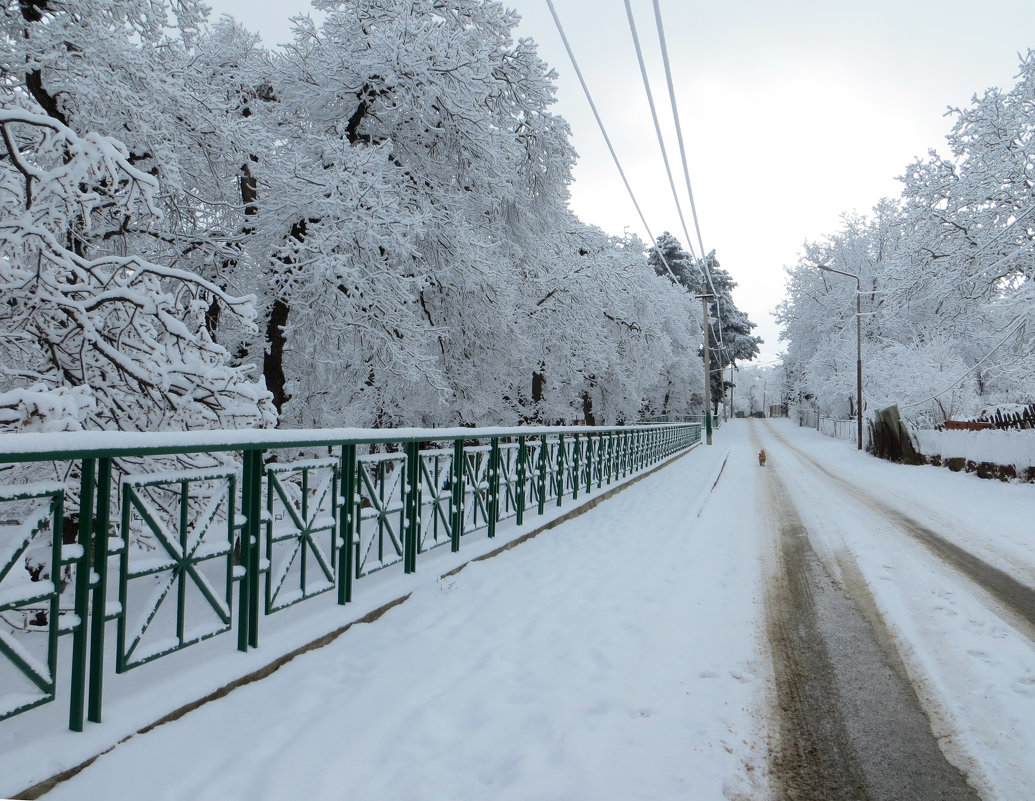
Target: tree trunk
273 361
538 384
587 410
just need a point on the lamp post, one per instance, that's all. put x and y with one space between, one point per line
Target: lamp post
858 351
707 372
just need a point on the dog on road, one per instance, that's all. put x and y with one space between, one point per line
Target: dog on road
761 458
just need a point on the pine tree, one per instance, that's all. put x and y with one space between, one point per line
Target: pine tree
729 330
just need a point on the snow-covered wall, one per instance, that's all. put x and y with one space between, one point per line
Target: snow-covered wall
1015 447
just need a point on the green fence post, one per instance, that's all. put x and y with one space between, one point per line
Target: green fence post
541 477
100 590
601 445
576 458
493 478
243 552
589 463
412 530
251 506
87 484
181 581
456 503
559 478
521 471
347 523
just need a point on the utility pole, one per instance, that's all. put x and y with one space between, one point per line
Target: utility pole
707 372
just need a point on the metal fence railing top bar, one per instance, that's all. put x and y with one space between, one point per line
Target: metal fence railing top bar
65 445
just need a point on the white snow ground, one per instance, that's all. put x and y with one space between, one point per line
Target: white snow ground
618 656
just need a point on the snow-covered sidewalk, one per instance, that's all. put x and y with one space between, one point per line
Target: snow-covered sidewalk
616 656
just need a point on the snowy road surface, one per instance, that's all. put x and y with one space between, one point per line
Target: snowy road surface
635 652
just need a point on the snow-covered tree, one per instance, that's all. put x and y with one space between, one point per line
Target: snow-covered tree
118 341
155 203
392 188
408 141
944 272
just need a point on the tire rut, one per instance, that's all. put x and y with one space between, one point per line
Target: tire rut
850 725
1017 598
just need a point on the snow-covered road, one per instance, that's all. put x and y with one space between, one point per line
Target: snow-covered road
949 562
624 654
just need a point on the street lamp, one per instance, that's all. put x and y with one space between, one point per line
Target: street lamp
858 351
707 372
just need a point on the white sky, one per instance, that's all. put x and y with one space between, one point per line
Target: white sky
793 112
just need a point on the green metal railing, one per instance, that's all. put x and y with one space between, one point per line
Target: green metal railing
179 540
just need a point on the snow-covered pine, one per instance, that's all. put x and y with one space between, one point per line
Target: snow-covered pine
729 331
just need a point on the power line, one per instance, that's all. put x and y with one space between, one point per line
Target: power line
679 128
607 139
682 155
716 327
682 152
1017 322
657 125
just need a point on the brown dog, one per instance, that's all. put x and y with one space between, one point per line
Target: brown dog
761 458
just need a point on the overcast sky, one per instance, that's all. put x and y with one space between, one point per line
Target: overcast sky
792 112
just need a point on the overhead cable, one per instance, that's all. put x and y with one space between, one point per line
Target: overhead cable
682 153
657 126
679 129
607 139
1015 325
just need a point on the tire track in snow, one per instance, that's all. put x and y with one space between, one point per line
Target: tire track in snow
1017 598
850 723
